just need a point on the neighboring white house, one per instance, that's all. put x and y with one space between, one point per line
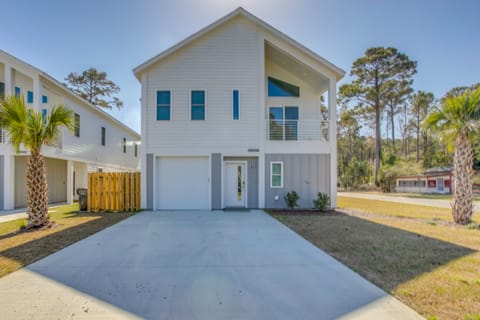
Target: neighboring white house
435 180
237 115
99 142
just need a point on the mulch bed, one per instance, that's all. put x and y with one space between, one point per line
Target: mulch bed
303 212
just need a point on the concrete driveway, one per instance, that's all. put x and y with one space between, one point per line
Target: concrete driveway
194 265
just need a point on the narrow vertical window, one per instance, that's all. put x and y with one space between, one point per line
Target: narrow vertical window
2 90
198 105
44 99
103 136
276 174
44 114
236 110
136 150
76 125
163 105
17 92
29 96
124 145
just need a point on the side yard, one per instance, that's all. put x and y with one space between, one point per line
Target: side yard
411 251
19 248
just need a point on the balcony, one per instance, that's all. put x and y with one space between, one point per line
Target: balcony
297 130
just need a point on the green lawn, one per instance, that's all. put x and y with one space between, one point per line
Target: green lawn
413 252
19 248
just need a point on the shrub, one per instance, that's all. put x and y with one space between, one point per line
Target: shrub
291 199
322 202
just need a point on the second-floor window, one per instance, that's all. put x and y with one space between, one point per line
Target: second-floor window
163 105
236 105
136 150
124 145
283 123
198 104
44 99
2 90
103 136
29 96
76 125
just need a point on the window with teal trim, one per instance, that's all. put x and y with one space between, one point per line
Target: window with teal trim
44 114
124 145
29 97
198 105
279 88
236 106
163 105
103 136
17 92
44 99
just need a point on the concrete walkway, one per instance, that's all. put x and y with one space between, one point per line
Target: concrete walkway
438 203
10 215
194 265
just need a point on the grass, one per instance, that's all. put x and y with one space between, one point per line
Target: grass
432 267
19 248
415 195
399 210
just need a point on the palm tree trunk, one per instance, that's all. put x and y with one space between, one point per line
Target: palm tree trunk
37 189
462 206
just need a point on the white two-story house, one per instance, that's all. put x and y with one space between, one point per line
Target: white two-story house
237 115
99 142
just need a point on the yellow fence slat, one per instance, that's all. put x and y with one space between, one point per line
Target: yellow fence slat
113 191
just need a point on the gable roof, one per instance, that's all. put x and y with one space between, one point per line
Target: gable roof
236 13
66 90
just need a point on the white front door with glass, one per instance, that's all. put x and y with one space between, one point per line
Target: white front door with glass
235 184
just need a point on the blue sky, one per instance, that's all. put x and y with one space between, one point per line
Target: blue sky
59 36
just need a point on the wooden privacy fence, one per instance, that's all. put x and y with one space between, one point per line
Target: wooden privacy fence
113 191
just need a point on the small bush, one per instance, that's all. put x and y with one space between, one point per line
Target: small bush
291 199
322 202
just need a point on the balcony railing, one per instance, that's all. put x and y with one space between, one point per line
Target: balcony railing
297 130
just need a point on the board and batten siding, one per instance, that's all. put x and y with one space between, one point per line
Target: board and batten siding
307 174
219 62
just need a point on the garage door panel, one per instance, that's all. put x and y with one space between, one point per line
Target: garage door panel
182 183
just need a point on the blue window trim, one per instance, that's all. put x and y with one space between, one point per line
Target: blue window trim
17 92
44 99
29 96
236 105
164 105
197 105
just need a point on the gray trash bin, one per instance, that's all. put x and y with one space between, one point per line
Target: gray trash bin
82 198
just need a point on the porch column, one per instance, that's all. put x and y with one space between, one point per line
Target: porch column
70 187
8 79
36 93
332 108
9 182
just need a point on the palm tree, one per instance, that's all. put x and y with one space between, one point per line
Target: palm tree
458 121
30 128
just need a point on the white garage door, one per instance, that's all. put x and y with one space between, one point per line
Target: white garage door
182 183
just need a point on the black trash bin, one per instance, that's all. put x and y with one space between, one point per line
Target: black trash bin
82 198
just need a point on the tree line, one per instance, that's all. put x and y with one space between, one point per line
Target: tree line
381 131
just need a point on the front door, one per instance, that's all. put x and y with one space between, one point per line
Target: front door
235 184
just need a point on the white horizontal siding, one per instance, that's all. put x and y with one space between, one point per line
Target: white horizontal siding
221 61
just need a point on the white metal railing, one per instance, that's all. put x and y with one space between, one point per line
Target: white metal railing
297 130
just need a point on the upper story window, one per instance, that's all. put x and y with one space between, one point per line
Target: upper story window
136 150
163 105
198 104
44 99
103 136
236 105
124 145
29 96
17 92
76 125
279 88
